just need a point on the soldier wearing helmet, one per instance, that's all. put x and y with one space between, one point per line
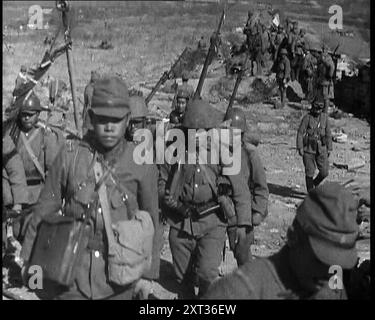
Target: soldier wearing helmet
257 184
183 95
197 225
325 74
314 143
283 74
37 146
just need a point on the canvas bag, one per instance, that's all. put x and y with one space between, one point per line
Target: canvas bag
130 242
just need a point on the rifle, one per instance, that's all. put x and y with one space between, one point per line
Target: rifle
166 75
240 74
64 7
214 41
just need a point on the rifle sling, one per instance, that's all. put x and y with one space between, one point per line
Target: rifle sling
102 191
31 153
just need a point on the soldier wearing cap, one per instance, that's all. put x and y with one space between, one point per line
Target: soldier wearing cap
314 144
283 74
299 46
257 183
197 225
72 180
325 73
87 95
323 234
36 145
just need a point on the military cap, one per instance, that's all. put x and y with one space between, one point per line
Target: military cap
110 98
238 119
201 115
182 93
283 51
138 107
328 216
23 68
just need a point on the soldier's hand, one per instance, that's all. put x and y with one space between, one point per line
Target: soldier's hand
17 208
143 288
300 152
170 201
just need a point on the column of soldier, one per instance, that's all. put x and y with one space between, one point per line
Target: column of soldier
96 181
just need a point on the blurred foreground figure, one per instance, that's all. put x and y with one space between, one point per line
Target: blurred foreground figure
323 234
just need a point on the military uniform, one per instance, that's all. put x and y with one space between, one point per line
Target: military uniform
299 55
325 73
253 171
314 138
14 179
283 75
72 178
326 235
196 241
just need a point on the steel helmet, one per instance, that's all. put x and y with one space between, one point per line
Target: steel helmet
238 118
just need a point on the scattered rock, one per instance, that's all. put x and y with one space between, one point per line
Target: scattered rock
294 92
340 138
352 165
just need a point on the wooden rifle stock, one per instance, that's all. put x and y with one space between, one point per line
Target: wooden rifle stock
213 43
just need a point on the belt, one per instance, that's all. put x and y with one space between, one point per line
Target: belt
34 182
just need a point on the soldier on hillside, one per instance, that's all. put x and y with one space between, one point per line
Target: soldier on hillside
283 74
325 74
299 55
190 202
314 144
73 179
257 183
323 234
37 146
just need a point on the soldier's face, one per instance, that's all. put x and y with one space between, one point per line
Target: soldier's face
109 131
28 120
181 105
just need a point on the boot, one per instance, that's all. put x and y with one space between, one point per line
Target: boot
309 183
318 180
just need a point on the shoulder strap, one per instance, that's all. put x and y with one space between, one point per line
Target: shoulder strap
102 191
210 182
32 156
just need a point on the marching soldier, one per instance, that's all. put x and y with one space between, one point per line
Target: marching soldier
190 202
326 69
314 144
299 55
283 74
37 146
182 98
87 95
257 183
72 180
323 234
309 67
